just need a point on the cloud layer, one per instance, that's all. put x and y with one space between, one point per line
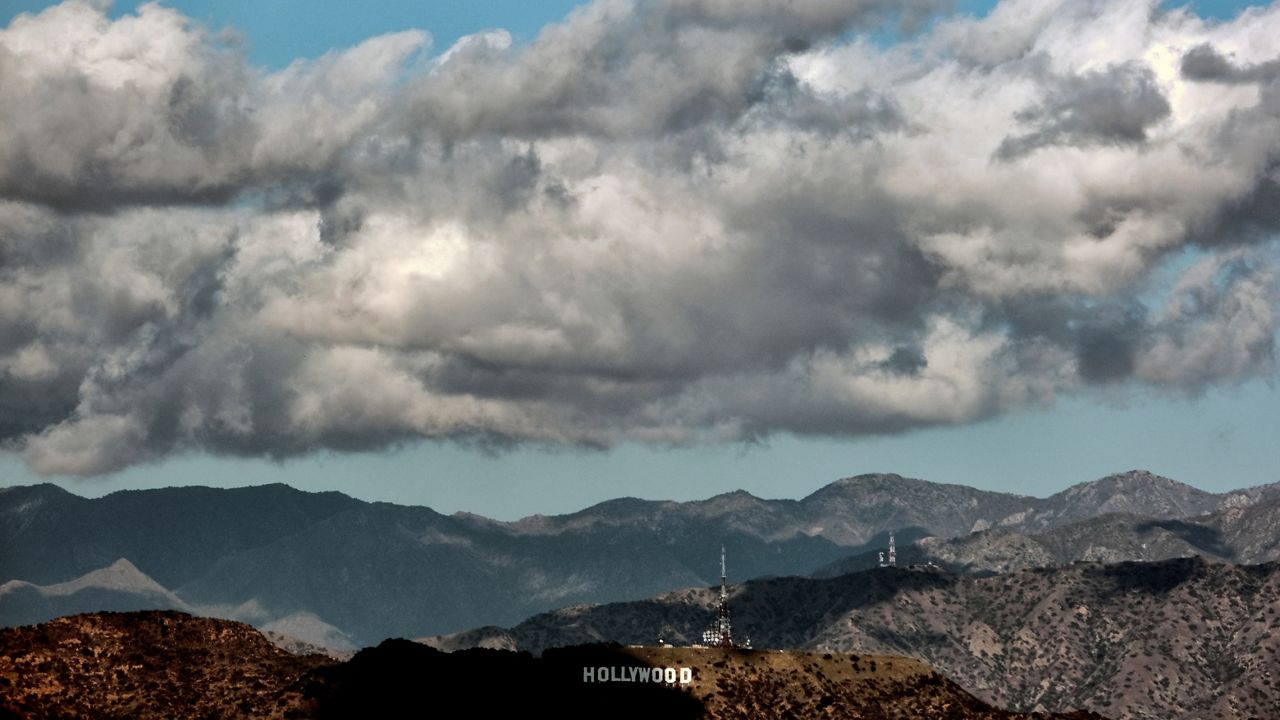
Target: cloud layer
669 222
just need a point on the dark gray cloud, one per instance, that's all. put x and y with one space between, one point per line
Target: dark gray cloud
663 222
1108 340
905 361
1114 106
1205 64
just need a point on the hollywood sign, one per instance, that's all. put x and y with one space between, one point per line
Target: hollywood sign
662 675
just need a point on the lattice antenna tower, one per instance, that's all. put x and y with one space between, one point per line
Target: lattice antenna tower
722 612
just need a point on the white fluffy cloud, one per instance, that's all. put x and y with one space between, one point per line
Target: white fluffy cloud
675 221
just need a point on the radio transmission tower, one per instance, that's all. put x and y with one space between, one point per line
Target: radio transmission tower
721 633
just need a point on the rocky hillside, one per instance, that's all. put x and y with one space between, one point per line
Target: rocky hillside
1177 638
1137 493
146 665
340 572
170 665
1246 533
746 685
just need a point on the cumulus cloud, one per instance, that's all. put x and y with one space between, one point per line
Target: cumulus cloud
666 221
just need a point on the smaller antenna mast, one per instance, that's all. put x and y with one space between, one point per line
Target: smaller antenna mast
723 574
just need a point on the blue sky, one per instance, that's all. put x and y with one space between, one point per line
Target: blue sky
278 31
1221 439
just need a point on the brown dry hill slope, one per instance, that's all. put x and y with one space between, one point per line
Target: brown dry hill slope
150 664
170 665
746 685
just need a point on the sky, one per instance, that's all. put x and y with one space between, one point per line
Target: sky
508 258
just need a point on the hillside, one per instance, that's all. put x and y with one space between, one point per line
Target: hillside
146 665
169 665
746 685
1176 638
1248 534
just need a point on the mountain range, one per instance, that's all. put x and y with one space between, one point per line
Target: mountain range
344 573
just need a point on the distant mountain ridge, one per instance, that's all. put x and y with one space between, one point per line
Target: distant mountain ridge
342 572
853 511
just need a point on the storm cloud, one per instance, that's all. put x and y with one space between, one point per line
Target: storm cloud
670 222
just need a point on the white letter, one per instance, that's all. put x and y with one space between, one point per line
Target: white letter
669 675
686 676
588 674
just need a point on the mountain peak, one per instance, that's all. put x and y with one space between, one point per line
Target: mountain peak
119 575
1141 477
37 489
863 482
29 496
1138 492
1133 481
873 479
735 498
